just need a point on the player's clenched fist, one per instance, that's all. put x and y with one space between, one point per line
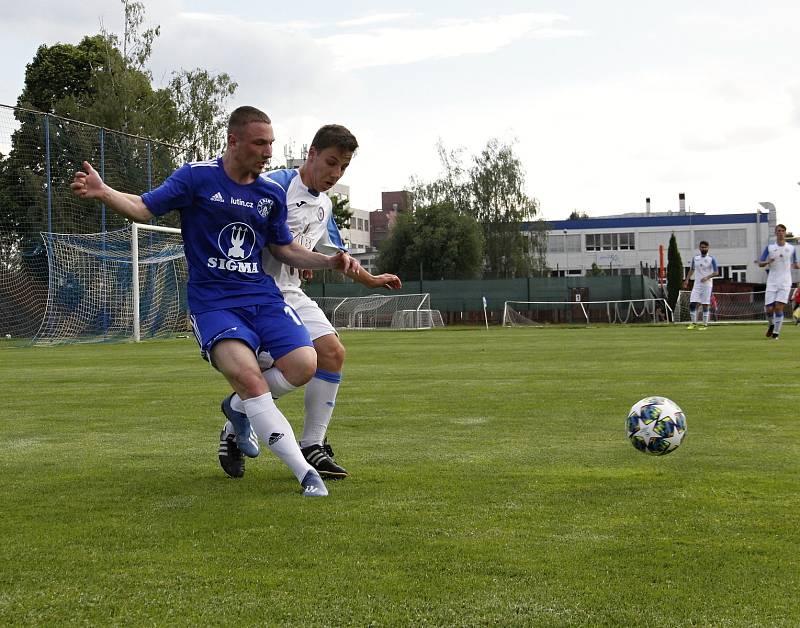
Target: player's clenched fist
87 184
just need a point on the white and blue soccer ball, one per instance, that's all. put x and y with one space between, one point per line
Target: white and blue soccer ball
656 425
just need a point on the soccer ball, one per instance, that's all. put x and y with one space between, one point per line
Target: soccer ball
656 425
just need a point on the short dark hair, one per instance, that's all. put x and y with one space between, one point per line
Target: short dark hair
780 226
242 116
335 135
703 242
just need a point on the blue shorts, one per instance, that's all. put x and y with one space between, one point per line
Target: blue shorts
275 327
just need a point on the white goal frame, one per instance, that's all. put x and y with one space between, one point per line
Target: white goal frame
618 311
381 312
135 227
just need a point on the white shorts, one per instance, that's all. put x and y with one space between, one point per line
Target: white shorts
701 293
313 318
776 295
310 313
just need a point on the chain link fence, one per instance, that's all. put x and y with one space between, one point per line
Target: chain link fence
39 154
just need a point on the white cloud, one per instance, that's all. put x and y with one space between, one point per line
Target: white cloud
395 46
378 18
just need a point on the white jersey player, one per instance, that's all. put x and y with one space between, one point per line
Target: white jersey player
310 220
779 258
703 270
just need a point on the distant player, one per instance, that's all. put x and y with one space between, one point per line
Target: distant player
310 219
779 259
703 270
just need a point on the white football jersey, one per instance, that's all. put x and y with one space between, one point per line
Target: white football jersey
780 270
310 219
703 266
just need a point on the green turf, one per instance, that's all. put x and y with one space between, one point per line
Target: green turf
492 484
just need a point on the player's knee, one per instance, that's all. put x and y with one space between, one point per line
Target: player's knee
330 357
299 366
249 383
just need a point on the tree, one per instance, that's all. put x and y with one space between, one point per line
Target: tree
595 271
105 81
492 192
501 205
442 242
341 211
578 215
674 272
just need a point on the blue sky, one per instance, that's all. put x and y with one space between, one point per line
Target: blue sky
608 102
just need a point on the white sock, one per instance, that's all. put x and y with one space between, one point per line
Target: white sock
706 316
278 384
273 428
278 387
320 400
778 318
693 314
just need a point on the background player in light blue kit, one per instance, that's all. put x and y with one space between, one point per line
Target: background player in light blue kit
703 270
229 214
310 219
779 258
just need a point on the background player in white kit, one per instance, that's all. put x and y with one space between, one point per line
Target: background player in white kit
779 258
310 219
703 270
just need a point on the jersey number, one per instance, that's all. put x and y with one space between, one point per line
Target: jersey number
290 312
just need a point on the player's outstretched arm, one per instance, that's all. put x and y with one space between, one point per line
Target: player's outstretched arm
293 254
385 280
89 185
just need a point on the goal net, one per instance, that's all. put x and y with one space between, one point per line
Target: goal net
520 313
726 307
377 311
90 287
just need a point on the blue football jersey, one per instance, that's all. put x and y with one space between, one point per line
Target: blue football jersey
224 226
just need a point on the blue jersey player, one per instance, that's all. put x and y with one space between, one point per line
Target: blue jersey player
310 219
229 214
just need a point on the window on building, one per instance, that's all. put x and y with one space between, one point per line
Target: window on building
739 273
610 241
555 243
650 241
627 242
723 238
733 273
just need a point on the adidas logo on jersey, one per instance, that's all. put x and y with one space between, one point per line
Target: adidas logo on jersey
218 198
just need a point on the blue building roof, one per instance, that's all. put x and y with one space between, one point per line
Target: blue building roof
673 220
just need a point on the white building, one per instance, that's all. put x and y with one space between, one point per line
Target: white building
622 245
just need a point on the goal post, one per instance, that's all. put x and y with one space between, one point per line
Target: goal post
381 311
135 288
538 313
124 284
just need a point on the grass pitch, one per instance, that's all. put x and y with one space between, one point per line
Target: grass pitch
492 484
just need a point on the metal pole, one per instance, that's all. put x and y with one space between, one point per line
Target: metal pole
135 280
49 178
